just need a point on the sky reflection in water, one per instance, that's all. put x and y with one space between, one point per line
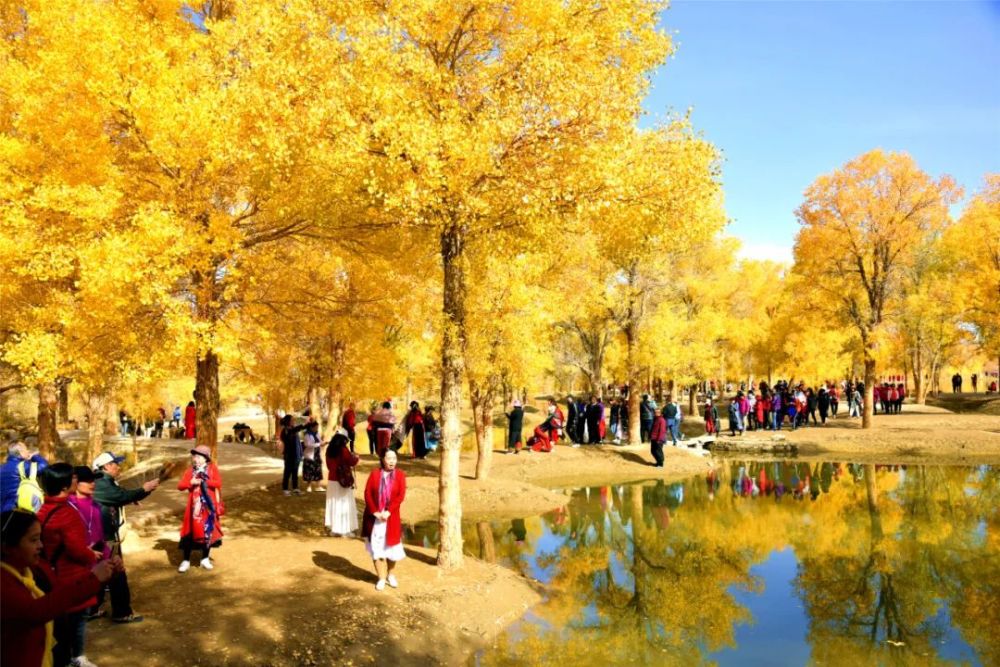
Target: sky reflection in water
766 563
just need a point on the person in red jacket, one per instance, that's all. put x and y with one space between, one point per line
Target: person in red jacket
382 526
348 422
202 526
66 548
190 420
26 610
341 511
658 436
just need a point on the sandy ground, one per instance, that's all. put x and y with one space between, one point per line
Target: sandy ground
283 593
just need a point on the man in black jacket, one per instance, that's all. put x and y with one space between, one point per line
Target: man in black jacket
112 500
646 414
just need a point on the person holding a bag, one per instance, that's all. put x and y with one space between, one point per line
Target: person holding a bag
382 526
201 527
341 511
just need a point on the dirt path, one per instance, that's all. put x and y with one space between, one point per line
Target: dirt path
284 594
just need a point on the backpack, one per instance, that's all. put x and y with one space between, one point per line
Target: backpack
29 493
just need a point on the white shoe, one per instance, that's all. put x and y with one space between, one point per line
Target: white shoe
309 489
392 581
380 586
185 566
207 563
297 492
286 492
81 661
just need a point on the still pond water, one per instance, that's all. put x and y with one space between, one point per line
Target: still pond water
760 563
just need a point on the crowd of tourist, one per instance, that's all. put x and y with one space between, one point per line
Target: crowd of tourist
62 525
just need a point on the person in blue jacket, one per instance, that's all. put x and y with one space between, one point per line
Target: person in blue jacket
10 478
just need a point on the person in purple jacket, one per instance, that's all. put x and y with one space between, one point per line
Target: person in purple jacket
777 416
90 514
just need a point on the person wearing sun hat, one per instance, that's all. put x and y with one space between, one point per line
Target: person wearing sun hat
112 500
201 526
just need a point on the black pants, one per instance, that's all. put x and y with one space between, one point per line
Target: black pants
656 449
593 431
645 426
291 473
69 632
822 414
350 438
371 442
187 547
121 596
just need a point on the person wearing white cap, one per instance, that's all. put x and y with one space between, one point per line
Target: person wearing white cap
112 499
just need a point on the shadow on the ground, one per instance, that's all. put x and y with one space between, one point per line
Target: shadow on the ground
343 567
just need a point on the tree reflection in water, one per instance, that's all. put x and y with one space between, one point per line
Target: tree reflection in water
894 566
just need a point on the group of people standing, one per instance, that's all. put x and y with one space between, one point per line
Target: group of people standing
385 488
61 555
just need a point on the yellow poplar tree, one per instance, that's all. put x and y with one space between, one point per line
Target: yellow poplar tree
472 113
975 243
861 225
662 198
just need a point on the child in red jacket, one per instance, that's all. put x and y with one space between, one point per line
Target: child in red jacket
26 610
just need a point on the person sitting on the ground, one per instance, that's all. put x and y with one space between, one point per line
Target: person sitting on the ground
243 433
542 440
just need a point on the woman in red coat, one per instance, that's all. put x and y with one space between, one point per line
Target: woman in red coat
27 611
382 526
201 527
190 419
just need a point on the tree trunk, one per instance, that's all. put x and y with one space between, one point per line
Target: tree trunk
632 373
484 435
919 385
335 393
97 414
207 402
48 407
64 400
315 410
450 554
693 401
866 414
487 546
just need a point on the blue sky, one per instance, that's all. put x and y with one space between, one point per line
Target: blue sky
792 90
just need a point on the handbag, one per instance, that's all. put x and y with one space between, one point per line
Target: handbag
345 475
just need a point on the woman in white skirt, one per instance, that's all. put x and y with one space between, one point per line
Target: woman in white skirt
382 526
341 511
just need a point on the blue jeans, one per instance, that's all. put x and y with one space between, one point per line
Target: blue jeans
675 430
775 421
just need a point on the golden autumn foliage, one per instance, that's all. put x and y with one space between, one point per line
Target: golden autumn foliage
862 225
